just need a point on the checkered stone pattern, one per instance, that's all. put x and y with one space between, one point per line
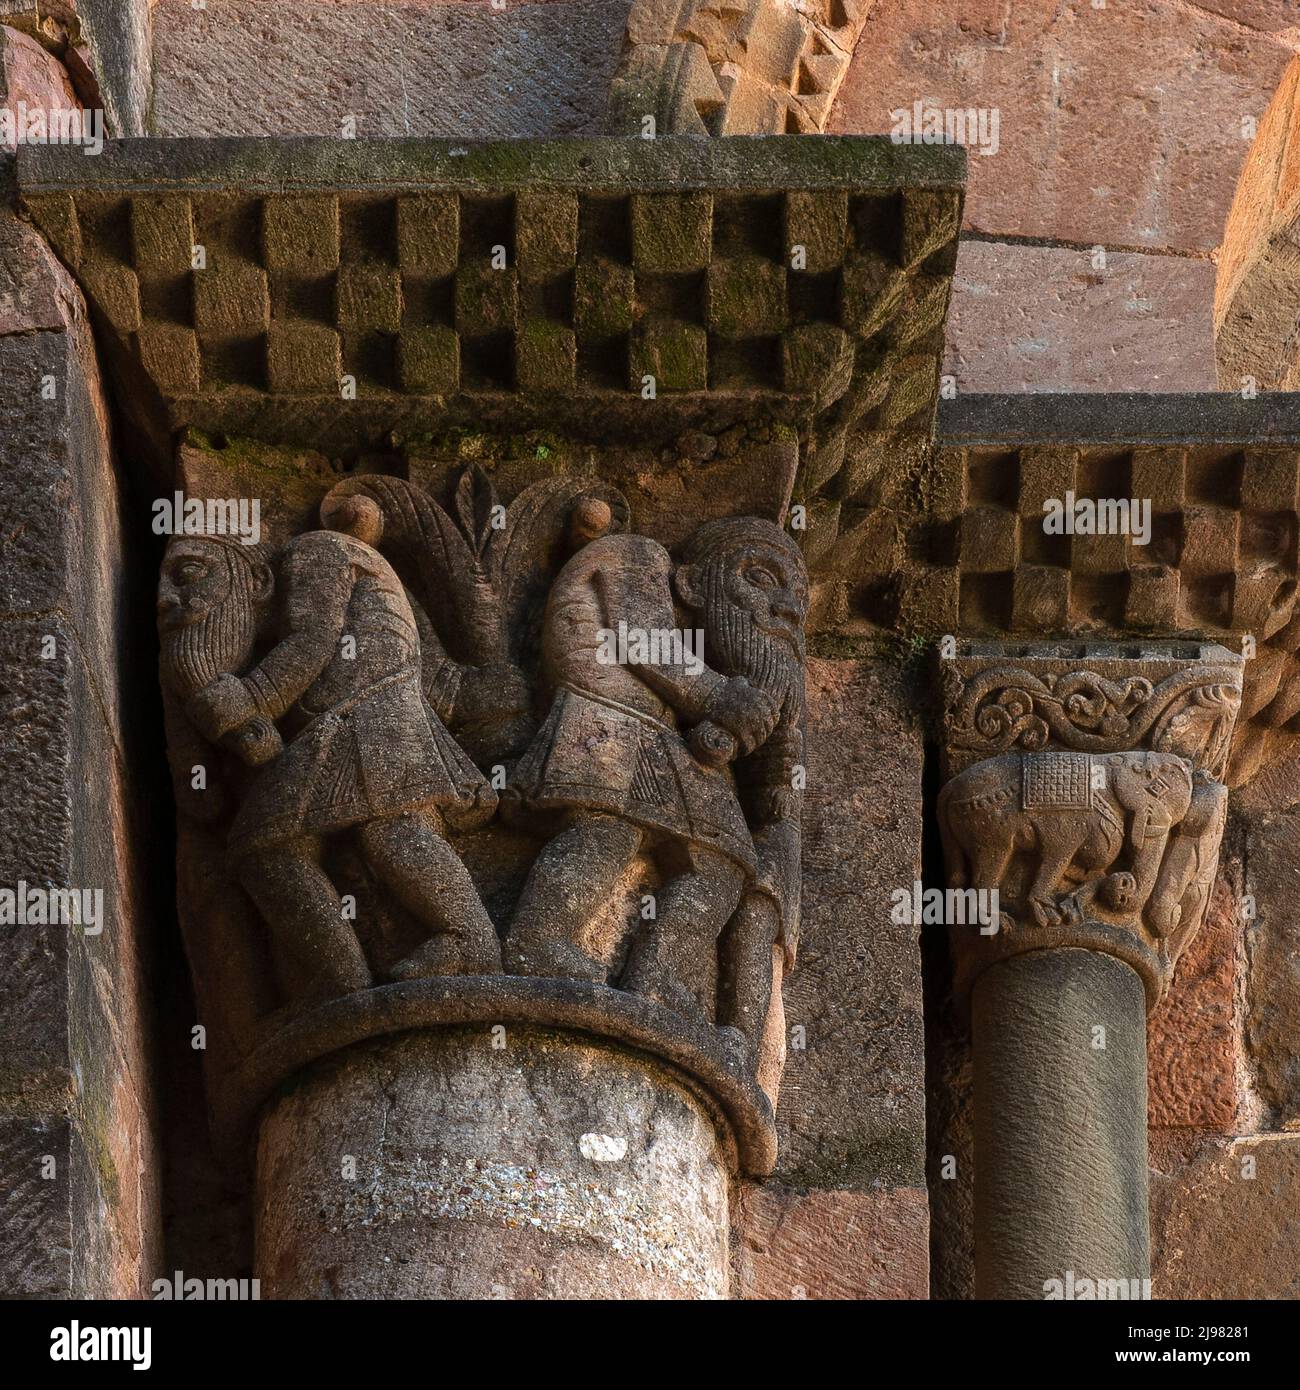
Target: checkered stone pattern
1057 779
533 291
1223 540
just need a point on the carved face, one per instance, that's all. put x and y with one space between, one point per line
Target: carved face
1119 891
1156 788
208 597
196 579
771 586
753 596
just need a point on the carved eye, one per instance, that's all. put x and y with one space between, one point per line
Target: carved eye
189 571
761 578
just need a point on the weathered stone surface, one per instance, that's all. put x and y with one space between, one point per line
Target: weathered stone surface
1217 1232
1194 1052
1120 124
117 35
72 1013
1045 318
1258 287
1270 16
830 1244
36 1238
31 80
851 1112
1273 963
245 67
35 291
538 1166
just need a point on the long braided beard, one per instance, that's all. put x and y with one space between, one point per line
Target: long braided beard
219 643
740 648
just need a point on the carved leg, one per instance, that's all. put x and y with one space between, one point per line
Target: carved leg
673 961
303 913
426 874
745 967
569 883
1042 893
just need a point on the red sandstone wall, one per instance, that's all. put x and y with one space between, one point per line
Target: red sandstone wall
1122 127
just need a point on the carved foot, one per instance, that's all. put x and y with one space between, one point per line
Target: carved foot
553 959
447 954
1059 912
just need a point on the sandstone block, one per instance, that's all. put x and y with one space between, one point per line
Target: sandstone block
851 1113
1038 318
253 67
831 1244
1224 1218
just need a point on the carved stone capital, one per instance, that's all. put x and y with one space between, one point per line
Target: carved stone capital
447 761
1083 799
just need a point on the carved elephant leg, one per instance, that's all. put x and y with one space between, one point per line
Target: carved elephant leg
678 946
304 916
570 881
989 862
429 880
1043 891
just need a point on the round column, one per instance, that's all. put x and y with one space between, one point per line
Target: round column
1060 1123
477 1163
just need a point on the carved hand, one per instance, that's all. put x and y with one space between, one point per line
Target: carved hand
747 713
221 707
256 742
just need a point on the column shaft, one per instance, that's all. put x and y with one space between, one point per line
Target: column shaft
437 1166
1060 1123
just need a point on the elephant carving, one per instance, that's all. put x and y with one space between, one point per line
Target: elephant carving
1094 828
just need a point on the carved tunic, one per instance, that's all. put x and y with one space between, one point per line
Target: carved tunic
611 741
367 742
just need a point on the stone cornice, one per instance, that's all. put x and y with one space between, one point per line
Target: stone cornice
348 289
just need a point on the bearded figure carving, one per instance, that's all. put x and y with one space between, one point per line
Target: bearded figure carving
335 721
691 756
340 709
